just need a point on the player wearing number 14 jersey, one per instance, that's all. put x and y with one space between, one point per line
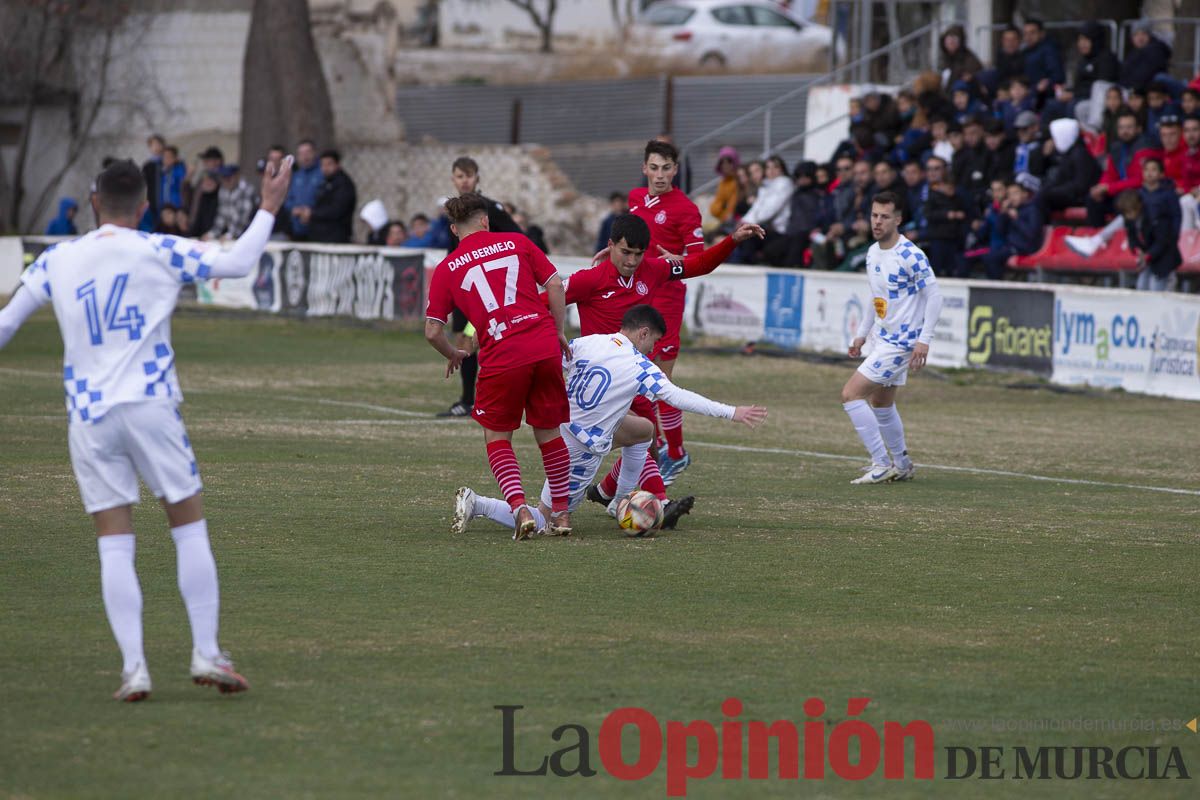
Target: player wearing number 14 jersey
113 292
493 278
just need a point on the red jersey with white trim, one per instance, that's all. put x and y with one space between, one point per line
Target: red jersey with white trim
602 296
493 278
674 223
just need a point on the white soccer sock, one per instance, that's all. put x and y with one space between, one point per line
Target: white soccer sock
499 512
633 461
198 585
892 431
122 596
868 430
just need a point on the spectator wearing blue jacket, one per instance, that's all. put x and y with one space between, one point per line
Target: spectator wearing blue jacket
306 180
1152 222
64 223
1043 61
173 175
1019 224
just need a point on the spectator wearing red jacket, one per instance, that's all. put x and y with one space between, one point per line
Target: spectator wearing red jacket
1189 181
1123 170
1173 148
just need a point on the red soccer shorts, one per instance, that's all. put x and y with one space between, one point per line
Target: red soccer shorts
667 348
535 390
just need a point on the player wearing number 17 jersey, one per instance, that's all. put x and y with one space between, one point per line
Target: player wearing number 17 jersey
607 372
113 292
493 278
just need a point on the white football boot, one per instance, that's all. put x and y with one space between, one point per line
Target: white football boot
217 672
464 509
135 684
879 473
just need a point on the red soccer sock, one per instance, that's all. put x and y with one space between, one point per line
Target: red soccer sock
557 461
651 479
507 471
672 425
608 486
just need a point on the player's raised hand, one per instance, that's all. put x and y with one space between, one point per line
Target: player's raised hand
275 185
748 229
667 254
600 256
455 361
750 416
920 354
856 347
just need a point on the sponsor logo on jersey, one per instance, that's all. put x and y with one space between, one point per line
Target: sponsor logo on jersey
660 217
479 412
642 288
880 307
607 295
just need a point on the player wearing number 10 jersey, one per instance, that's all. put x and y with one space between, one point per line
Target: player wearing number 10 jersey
113 292
493 278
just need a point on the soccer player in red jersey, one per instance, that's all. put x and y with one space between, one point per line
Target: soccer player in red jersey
603 293
493 278
674 224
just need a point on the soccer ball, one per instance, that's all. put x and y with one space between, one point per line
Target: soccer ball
640 512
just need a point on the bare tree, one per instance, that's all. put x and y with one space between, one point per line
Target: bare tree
284 95
542 13
55 53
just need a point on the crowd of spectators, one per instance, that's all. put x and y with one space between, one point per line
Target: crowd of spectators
215 200
984 157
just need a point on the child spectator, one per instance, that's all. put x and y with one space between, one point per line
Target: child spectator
618 204
1152 225
64 223
965 105
396 234
724 203
1019 225
174 178
1019 99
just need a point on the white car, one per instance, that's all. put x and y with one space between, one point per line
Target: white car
731 35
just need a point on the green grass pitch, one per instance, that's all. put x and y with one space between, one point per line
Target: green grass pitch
377 645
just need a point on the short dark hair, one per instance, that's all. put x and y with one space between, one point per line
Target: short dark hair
887 199
308 142
1035 22
1155 160
156 137
418 216
633 229
331 153
779 162
938 159
1011 29
1126 111
664 149
465 164
172 148
916 163
1192 92
466 206
616 196
278 147
1129 202
644 316
121 189
1021 79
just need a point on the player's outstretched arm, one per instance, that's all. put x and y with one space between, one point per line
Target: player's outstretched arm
20 307
435 335
243 257
704 262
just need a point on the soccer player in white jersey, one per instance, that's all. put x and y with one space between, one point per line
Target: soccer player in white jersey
607 372
906 302
113 292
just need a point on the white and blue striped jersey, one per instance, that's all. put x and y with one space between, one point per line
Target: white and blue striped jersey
606 373
902 284
114 291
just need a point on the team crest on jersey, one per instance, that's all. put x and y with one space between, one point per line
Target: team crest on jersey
660 217
880 307
642 288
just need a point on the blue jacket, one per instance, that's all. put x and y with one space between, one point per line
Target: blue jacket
62 225
1023 234
1044 61
1156 232
303 192
170 190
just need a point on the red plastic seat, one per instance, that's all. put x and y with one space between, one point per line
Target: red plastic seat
1189 248
1077 214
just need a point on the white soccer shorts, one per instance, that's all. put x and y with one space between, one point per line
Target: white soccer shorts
886 364
132 439
584 466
